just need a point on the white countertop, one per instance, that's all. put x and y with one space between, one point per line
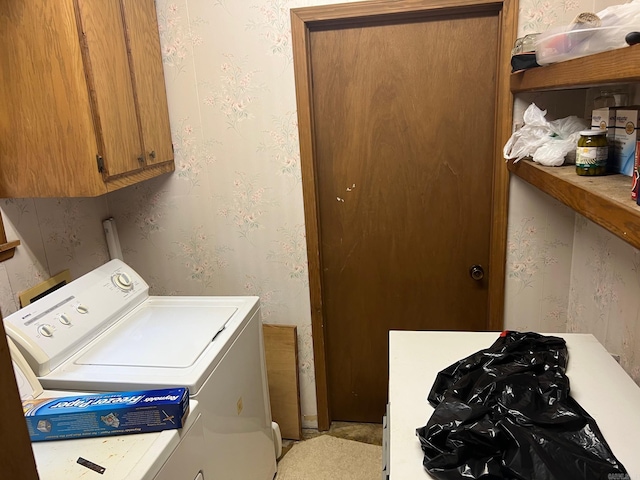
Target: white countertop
598 383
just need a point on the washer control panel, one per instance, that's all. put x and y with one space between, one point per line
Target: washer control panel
51 329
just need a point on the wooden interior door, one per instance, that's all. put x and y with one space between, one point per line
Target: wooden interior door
403 128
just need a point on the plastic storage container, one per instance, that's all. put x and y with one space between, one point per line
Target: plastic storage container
568 42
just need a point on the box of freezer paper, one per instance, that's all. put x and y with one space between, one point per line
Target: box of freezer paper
95 415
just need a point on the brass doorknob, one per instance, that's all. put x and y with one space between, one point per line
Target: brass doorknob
476 272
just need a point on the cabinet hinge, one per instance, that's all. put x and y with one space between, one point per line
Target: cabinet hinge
100 161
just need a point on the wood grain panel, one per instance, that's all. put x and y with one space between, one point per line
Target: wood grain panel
306 21
616 66
68 96
302 71
404 10
148 77
281 352
504 120
16 457
7 249
109 76
404 147
48 145
151 171
604 200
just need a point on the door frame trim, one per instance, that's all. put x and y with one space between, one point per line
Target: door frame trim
303 21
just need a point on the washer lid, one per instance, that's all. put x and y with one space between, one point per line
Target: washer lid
159 335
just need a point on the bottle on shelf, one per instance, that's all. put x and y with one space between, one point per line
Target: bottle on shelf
592 152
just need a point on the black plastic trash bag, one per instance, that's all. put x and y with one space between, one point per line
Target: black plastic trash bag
506 412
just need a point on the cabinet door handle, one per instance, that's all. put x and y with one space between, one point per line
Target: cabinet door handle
141 158
100 161
152 154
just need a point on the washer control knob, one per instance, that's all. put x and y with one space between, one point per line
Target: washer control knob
45 330
64 319
122 281
82 309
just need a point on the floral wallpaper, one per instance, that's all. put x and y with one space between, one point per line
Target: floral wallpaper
55 234
539 244
230 221
566 274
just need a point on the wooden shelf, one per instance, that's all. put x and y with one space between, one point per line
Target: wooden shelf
604 200
8 249
606 68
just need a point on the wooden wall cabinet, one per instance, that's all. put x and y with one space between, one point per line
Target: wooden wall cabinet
604 200
84 108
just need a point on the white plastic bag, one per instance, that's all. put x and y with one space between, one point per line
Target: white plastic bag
547 143
532 135
563 141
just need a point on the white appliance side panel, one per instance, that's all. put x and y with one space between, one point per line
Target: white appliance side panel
186 462
235 406
169 335
28 385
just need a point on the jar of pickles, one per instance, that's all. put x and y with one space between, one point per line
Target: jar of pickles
592 153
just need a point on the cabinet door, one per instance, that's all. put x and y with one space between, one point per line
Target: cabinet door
146 62
47 140
109 77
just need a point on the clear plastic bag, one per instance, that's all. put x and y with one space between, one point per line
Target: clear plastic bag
547 143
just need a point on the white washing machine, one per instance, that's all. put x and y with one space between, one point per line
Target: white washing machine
166 455
103 332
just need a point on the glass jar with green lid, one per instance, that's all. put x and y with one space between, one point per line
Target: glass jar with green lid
592 153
